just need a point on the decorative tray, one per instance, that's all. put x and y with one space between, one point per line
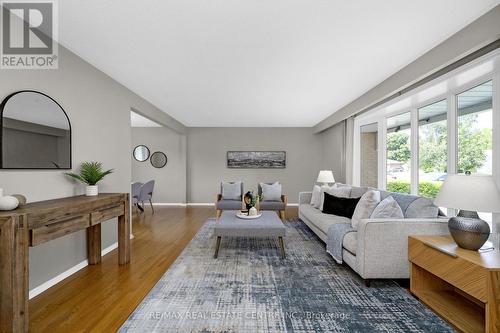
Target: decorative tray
244 216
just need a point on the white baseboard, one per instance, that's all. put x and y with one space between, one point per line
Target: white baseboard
169 204
55 280
198 204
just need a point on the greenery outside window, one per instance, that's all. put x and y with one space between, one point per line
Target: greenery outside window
399 153
432 148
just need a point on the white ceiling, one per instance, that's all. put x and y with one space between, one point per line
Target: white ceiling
255 62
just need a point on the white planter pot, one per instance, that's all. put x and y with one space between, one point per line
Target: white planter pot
8 202
91 190
253 211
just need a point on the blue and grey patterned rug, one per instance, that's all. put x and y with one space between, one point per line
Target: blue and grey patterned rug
250 289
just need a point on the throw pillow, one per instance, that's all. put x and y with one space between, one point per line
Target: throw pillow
231 191
316 196
365 207
341 192
422 208
271 192
387 208
339 206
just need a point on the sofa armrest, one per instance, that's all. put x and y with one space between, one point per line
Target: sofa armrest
305 197
382 249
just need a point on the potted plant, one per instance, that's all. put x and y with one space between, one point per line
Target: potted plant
90 173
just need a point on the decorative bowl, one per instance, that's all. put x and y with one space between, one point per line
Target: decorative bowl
247 217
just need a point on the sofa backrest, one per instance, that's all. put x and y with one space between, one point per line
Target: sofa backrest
413 206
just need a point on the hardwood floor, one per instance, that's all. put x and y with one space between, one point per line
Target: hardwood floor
100 298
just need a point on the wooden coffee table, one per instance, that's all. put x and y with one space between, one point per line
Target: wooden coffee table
268 225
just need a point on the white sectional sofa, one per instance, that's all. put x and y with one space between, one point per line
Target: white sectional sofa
378 249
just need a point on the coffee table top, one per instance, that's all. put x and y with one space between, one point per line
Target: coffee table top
268 225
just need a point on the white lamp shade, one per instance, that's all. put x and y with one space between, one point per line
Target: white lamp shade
325 176
473 193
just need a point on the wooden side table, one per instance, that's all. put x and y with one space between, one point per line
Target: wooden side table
462 286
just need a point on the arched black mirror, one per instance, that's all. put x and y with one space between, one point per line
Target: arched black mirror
141 153
35 132
158 159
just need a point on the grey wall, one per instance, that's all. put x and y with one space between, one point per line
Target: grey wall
333 151
206 161
99 111
170 181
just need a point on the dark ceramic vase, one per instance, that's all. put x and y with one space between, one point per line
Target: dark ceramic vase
468 230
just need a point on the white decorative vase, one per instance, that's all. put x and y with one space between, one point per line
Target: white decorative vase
91 190
8 202
252 211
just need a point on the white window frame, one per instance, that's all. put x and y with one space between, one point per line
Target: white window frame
453 89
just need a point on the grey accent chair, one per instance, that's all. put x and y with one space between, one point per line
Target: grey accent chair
278 206
135 193
147 193
224 204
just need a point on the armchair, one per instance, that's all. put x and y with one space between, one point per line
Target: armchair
222 204
278 205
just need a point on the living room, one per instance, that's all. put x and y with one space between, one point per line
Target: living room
250 167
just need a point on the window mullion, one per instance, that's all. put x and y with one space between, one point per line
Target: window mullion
414 151
452 140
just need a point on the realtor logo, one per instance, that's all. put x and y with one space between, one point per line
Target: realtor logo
29 35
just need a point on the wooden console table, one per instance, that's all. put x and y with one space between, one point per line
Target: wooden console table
40 222
462 286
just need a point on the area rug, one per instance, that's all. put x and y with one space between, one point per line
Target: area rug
250 289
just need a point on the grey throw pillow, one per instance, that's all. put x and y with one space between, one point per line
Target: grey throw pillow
231 191
316 196
365 207
271 192
422 208
388 209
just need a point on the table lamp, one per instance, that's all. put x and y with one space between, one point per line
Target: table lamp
470 194
325 177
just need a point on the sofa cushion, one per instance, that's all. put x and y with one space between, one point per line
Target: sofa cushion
340 192
357 192
365 207
387 208
422 208
316 196
271 192
231 190
339 206
272 205
350 242
413 206
228 204
320 220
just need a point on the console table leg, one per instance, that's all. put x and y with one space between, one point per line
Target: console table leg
94 244
14 275
124 236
